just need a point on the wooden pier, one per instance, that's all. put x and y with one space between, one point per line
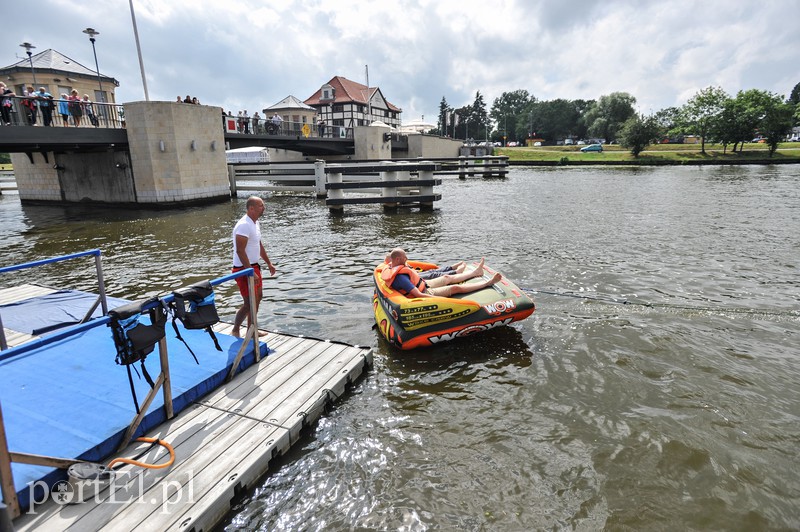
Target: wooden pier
223 441
318 177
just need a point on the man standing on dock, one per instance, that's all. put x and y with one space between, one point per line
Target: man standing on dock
247 248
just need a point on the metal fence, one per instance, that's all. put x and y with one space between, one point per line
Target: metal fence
56 112
248 125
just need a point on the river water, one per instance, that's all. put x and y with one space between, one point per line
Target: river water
655 387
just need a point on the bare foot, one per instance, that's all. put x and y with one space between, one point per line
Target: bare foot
477 272
261 334
495 279
235 333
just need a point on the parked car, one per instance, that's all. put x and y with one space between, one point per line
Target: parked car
592 147
537 144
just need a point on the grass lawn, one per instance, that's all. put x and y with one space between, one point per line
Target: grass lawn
658 153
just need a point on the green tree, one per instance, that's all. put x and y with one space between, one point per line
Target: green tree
461 117
478 117
794 97
776 122
508 108
700 112
555 119
638 132
606 116
668 120
444 113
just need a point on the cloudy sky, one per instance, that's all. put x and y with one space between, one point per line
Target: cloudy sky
249 54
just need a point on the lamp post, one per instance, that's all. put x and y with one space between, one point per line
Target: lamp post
28 47
91 33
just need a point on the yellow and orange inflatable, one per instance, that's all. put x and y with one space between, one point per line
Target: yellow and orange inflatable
422 322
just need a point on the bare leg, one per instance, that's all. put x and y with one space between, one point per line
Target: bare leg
447 291
244 311
459 266
456 278
237 321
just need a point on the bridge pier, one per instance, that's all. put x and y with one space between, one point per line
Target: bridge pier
175 154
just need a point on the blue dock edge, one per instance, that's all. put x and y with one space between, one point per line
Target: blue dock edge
65 396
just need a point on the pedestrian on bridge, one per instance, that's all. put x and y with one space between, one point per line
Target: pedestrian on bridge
45 100
5 107
63 108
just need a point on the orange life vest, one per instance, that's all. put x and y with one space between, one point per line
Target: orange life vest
389 274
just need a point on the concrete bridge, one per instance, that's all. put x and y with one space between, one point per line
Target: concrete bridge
167 153
111 132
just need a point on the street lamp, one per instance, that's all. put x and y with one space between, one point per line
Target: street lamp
28 47
91 33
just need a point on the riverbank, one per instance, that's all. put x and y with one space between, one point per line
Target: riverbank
657 155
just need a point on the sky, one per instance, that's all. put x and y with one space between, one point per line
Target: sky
250 54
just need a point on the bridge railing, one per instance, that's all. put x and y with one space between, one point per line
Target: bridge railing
267 126
55 112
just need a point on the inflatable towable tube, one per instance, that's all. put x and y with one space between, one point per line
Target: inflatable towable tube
410 323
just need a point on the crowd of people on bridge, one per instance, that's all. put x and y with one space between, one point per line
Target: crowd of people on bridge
36 108
256 124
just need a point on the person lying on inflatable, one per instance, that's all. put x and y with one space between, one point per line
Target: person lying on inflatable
433 273
408 282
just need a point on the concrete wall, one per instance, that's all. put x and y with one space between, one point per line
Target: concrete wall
37 181
369 143
177 152
432 146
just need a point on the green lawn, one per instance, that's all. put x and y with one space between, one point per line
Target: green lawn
659 153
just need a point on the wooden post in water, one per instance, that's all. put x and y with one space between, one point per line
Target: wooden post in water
462 167
335 177
319 178
388 176
232 179
426 190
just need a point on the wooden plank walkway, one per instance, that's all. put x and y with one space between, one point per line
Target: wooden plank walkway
223 442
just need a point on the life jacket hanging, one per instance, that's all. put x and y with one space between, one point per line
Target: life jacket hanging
201 314
135 340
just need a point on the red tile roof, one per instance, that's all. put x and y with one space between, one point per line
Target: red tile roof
347 91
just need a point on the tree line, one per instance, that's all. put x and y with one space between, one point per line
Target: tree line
712 114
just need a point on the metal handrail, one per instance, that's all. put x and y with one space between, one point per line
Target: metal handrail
9 496
107 115
81 327
101 288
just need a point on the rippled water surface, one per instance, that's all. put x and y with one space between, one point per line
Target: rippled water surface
656 386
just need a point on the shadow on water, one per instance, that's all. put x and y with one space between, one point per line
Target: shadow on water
503 344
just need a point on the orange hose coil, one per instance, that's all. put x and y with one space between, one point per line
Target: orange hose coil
142 464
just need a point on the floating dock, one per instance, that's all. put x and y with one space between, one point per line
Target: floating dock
223 438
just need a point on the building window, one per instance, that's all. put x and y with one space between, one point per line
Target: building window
338 108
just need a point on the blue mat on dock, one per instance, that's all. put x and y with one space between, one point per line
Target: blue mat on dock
70 399
48 313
